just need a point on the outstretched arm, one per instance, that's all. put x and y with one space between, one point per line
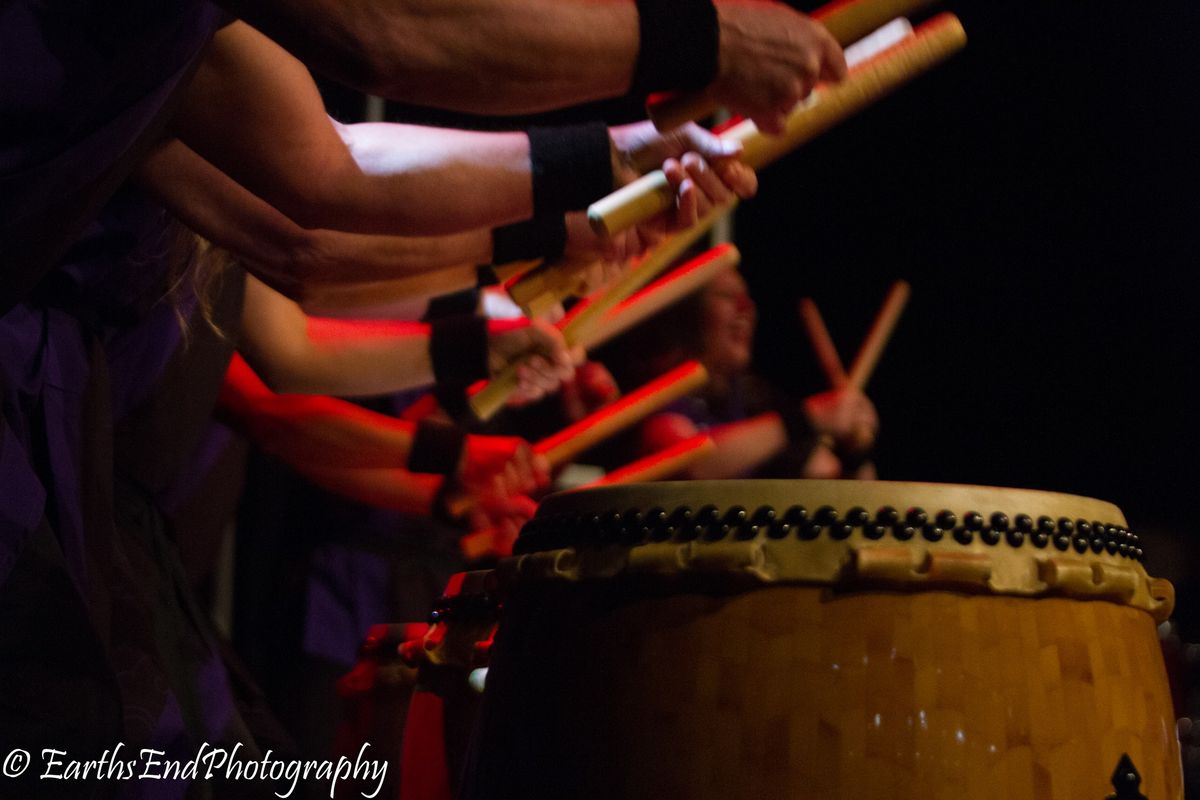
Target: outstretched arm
541 54
294 352
254 112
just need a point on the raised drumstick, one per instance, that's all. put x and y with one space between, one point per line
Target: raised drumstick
828 105
615 417
663 464
550 284
847 20
662 293
878 336
631 409
822 343
488 400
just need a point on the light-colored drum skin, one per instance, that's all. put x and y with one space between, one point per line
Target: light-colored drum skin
893 641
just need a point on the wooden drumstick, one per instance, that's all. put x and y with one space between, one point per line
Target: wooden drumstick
828 105
490 398
878 336
631 409
847 20
822 344
615 417
666 291
663 464
550 284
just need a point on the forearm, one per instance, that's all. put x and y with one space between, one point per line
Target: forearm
741 447
316 429
297 261
392 489
295 353
254 113
537 54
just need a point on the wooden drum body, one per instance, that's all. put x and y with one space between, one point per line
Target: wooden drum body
826 639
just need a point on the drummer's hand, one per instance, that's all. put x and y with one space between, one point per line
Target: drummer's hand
544 360
845 416
770 59
592 388
501 512
702 169
501 466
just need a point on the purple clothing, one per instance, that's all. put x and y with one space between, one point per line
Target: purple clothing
80 84
83 87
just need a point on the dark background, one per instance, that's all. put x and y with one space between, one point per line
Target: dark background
1040 194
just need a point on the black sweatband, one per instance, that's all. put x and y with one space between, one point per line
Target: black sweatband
455 304
540 237
679 46
436 448
572 167
485 276
458 348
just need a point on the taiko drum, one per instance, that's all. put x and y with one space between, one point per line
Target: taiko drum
826 639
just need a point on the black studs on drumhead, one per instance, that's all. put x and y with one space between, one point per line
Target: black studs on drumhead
858 516
887 515
825 515
946 519
840 530
633 527
809 530
679 521
795 515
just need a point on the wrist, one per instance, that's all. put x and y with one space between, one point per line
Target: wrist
678 46
458 349
571 166
438 448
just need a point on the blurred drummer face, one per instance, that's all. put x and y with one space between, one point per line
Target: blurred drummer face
729 321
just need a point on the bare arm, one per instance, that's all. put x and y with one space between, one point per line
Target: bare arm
297 353
538 54
255 113
323 430
295 260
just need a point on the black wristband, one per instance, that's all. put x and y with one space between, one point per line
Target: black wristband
436 448
679 46
572 167
455 304
540 237
458 348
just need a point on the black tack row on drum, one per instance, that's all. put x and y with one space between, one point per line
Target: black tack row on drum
710 524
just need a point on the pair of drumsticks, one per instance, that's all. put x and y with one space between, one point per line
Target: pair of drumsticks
872 347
